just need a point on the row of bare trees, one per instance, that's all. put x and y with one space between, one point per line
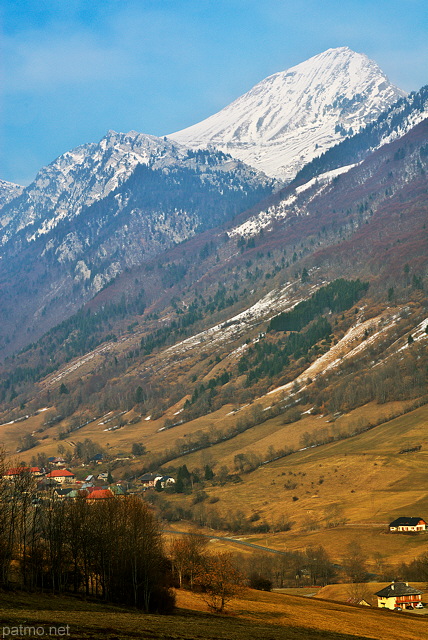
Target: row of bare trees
111 549
220 576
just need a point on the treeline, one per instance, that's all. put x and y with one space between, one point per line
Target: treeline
338 296
415 570
196 311
203 439
312 566
268 358
203 513
74 337
111 549
211 197
208 157
401 377
219 380
258 570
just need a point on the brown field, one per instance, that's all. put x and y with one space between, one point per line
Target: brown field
254 615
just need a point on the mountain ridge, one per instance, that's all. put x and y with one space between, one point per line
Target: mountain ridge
72 243
291 116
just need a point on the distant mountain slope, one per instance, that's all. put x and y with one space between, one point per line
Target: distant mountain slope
205 298
103 208
292 116
352 192
8 191
390 125
87 174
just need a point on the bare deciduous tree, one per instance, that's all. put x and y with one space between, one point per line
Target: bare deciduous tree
219 581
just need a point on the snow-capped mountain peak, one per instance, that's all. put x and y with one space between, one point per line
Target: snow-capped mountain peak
294 115
90 172
84 175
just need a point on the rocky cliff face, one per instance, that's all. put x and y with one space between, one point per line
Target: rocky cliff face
8 191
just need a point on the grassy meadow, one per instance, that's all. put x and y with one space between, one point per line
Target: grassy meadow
253 615
358 484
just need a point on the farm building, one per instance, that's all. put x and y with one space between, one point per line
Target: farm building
16 472
405 523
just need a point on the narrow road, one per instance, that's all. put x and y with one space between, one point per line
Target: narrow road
226 539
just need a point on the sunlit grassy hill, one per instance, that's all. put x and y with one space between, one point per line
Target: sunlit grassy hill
255 615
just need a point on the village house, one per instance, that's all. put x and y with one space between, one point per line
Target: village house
61 475
165 481
406 524
98 458
56 461
61 493
118 491
100 494
15 472
399 595
149 480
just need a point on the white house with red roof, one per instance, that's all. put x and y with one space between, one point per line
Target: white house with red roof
61 475
407 524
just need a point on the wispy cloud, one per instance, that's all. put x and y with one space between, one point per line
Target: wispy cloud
35 63
129 44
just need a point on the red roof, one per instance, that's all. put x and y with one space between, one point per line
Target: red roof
16 471
100 494
60 473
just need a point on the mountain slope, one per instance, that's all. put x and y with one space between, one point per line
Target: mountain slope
8 191
211 294
83 176
103 208
393 123
293 116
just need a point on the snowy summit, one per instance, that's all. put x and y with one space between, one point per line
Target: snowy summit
293 116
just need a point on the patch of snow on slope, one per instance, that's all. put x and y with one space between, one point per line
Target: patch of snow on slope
343 350
274 302
264 219
8 191
419 333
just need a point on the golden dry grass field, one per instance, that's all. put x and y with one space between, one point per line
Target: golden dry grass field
364 479
254 615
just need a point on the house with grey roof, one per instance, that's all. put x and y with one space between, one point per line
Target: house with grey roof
398 594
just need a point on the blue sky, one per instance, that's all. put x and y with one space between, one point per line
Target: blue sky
72 69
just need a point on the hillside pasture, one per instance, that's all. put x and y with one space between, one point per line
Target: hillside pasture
255 615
